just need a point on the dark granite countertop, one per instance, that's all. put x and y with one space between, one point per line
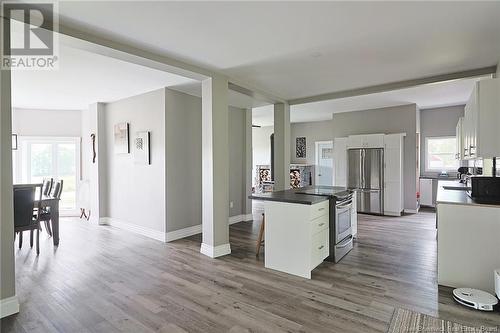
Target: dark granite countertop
456 197
295 195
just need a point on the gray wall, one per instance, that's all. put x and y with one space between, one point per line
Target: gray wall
167 194
237 158
136 193
398 119
7 273
313 131
183 160
437 122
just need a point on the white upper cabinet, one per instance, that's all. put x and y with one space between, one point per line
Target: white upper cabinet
365 141
480 126
459 133
340 161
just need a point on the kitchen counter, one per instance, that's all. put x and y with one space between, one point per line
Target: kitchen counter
456 197
294 195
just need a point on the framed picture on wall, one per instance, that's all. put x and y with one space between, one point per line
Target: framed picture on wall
141 148
120 132
300 147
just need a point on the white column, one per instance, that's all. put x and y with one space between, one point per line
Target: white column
9 303
248 163
215 164
281 146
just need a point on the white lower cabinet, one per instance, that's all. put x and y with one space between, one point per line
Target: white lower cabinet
296 236
468 245
319 249
426 190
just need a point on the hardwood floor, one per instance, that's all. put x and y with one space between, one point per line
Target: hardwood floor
102 279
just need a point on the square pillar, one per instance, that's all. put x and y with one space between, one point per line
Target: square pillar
215 164
8 299
248 164
281 146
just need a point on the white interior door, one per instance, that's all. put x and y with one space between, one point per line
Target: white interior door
324 163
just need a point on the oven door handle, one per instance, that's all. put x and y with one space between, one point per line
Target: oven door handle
344 205
344 243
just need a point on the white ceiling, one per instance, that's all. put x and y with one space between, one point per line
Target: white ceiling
296 49
84 78
435 95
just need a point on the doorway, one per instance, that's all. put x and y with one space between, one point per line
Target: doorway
324 163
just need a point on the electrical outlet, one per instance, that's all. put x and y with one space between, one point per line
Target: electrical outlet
231 204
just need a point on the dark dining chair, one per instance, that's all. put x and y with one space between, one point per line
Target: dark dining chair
46 214
57 190
24 205
47 185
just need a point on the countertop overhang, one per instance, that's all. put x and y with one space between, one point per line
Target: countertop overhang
457 197
294 195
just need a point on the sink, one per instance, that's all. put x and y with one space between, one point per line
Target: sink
456 188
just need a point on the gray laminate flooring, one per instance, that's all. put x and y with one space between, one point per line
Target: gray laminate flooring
103 279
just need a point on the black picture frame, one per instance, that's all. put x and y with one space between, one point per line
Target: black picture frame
14 141
300 147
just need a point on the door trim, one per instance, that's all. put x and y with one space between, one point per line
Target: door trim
316 161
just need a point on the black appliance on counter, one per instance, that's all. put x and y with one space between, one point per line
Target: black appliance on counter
340 208
484 189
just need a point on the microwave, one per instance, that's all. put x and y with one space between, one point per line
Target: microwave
484 189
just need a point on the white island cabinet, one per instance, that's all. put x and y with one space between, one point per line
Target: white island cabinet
468 244
296 236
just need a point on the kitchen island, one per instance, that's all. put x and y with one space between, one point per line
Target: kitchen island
298 229
468 238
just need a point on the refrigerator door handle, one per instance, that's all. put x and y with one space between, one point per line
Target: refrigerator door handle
362 171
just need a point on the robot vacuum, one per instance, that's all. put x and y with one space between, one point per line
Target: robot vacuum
475 298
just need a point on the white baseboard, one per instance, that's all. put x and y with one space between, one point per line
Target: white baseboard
9 306
411 211
144 231
240 218
183 233
169 236
196 229
215 251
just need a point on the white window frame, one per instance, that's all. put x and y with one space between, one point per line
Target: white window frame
426 154
21 161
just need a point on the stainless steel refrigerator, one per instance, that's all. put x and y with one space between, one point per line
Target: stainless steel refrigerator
365 174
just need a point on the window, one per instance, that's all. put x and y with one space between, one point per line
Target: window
440 154
51 157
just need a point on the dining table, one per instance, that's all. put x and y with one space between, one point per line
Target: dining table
52 203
